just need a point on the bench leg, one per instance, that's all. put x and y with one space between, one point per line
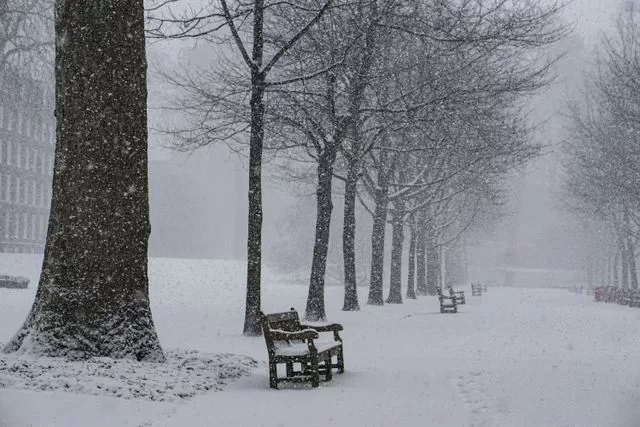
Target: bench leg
341 361
327 364
315 375
273 375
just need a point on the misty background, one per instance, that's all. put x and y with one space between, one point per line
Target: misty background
199 199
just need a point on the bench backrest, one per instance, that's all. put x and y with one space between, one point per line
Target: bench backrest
288 321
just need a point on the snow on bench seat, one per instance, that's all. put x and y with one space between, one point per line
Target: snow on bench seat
303 350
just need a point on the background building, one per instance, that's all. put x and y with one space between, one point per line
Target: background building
27 140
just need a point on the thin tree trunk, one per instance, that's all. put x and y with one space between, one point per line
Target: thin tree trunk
256 138
411 291
625 264
348 241
354 156
632 264
421 263
315 300
616 271
395 282
433 263
377 247
254 240
93 293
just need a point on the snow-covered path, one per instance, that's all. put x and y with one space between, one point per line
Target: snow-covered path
513 357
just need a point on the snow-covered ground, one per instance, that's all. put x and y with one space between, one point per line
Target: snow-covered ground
513 357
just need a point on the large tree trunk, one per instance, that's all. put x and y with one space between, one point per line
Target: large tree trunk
377 247
349 240
93 294
395 282
411 291
315 300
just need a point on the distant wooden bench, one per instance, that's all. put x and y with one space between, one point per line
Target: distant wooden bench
458 295
624 297
289 342
13 282
476 289
635 299
448 303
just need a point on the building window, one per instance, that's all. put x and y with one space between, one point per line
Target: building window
45 224
25 226
3 148
16 226
9 153
7 225
7 188
24 192
34 235
16 192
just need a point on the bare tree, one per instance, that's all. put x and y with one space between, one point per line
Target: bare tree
258 62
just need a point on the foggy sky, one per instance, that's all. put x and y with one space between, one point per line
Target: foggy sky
199 201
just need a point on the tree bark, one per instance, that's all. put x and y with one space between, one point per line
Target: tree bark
93 293
254 235
411 291
433 263
348 241
616 277
256 139
315 300
421 263
354 156
625 264
395 282
377 244
632 264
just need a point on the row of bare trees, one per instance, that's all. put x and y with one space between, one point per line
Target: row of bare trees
602 153
415 106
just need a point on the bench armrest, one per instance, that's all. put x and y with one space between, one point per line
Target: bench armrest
306 334
333 327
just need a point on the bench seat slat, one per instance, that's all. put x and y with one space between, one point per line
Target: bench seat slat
303 350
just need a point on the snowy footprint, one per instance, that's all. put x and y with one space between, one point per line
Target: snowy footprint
473 395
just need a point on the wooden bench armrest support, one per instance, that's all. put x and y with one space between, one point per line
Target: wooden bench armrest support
333 327
306 334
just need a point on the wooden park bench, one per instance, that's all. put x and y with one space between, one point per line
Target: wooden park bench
458 295
635 299
289 342
624 297
448 303
476 289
